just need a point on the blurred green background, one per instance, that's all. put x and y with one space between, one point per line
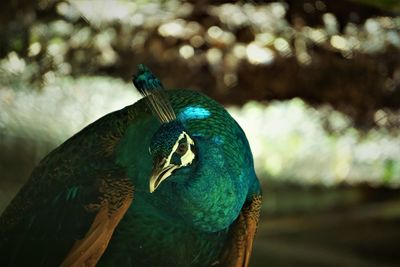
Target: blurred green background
314 84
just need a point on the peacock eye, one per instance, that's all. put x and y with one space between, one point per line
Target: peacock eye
182 149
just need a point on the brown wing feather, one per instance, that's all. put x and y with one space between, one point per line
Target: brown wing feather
238 249
88 251
117 197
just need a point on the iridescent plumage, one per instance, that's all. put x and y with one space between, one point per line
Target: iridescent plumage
167 181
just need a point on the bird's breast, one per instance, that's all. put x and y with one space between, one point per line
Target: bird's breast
211 205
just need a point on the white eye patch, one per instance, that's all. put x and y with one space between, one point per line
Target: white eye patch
188 157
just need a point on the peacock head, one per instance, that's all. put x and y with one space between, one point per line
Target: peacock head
172 148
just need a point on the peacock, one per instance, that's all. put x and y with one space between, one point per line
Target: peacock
167 181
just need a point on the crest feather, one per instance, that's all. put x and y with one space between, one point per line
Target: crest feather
151 87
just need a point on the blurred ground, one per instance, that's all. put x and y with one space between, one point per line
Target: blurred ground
315 85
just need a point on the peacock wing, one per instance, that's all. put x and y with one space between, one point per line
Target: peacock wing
80 216
116 197
67 211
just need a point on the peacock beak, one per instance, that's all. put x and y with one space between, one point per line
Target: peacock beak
161 171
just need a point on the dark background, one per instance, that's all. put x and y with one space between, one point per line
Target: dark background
315 85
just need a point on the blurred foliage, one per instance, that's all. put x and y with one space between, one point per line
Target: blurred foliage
65 106
294 142
234 51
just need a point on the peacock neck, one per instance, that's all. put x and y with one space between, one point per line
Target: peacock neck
215 191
